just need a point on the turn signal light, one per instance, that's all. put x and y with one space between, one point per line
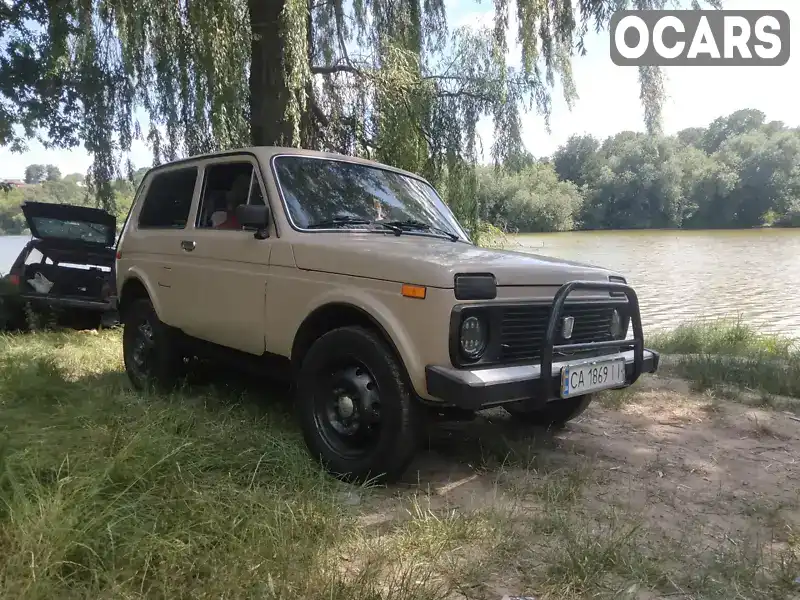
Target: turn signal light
413 291
14 279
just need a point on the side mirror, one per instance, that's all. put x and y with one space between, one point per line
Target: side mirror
254 216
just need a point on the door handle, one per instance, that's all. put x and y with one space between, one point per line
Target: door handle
188 245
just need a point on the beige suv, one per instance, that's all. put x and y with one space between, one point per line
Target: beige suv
356 280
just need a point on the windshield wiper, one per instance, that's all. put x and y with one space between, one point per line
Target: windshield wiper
343 221
415 224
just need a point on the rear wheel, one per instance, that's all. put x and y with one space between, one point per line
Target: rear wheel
358 414
150 353
553 415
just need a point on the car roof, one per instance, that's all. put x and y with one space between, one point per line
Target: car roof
266 153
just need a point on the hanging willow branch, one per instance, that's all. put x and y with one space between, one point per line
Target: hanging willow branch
380 78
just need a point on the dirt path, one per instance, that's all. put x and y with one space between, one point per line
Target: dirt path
670 494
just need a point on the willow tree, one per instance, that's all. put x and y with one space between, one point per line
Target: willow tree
385 79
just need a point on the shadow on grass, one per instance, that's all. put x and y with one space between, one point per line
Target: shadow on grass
40 386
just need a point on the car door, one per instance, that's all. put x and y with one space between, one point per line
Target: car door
223 272
154 230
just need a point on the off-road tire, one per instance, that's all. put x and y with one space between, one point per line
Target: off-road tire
553 415
401 424
165 366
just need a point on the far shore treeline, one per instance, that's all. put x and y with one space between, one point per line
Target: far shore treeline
44 183
739 172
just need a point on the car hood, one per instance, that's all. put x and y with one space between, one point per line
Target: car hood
69 224
430 261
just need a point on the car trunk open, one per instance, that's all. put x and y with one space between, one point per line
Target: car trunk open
72 274
77 255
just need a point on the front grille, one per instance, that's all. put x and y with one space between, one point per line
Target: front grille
523 328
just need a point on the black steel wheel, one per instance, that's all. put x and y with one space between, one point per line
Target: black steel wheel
149 351
347 409
356 409
553 415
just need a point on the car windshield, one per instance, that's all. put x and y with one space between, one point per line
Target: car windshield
323 194
82 231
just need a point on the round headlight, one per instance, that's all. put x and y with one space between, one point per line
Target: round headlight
472 338
617 325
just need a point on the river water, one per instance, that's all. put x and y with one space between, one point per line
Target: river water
683 275
10 246
678 275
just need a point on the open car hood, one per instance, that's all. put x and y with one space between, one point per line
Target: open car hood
70 224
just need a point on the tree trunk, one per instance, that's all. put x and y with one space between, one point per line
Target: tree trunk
268 89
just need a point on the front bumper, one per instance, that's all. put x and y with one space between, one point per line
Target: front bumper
483 388
473 389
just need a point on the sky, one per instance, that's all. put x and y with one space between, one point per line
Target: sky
608 95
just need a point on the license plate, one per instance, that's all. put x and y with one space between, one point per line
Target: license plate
583 378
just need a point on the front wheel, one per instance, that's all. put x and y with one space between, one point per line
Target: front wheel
357 412
553 415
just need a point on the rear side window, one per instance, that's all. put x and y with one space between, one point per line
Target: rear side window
169 199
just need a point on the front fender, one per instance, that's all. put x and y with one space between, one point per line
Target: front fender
375 307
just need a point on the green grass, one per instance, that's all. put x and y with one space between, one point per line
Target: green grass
209 492
730 337
730 352
203 493
107 493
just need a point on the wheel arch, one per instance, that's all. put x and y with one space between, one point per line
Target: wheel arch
334 315
133 289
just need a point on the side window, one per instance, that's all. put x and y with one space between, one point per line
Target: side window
226 186
169 199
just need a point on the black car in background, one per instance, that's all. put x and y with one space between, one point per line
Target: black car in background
65 274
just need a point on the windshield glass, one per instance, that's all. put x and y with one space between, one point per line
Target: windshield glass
71 230
319 191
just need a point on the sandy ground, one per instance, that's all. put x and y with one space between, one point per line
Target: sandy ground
693 496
